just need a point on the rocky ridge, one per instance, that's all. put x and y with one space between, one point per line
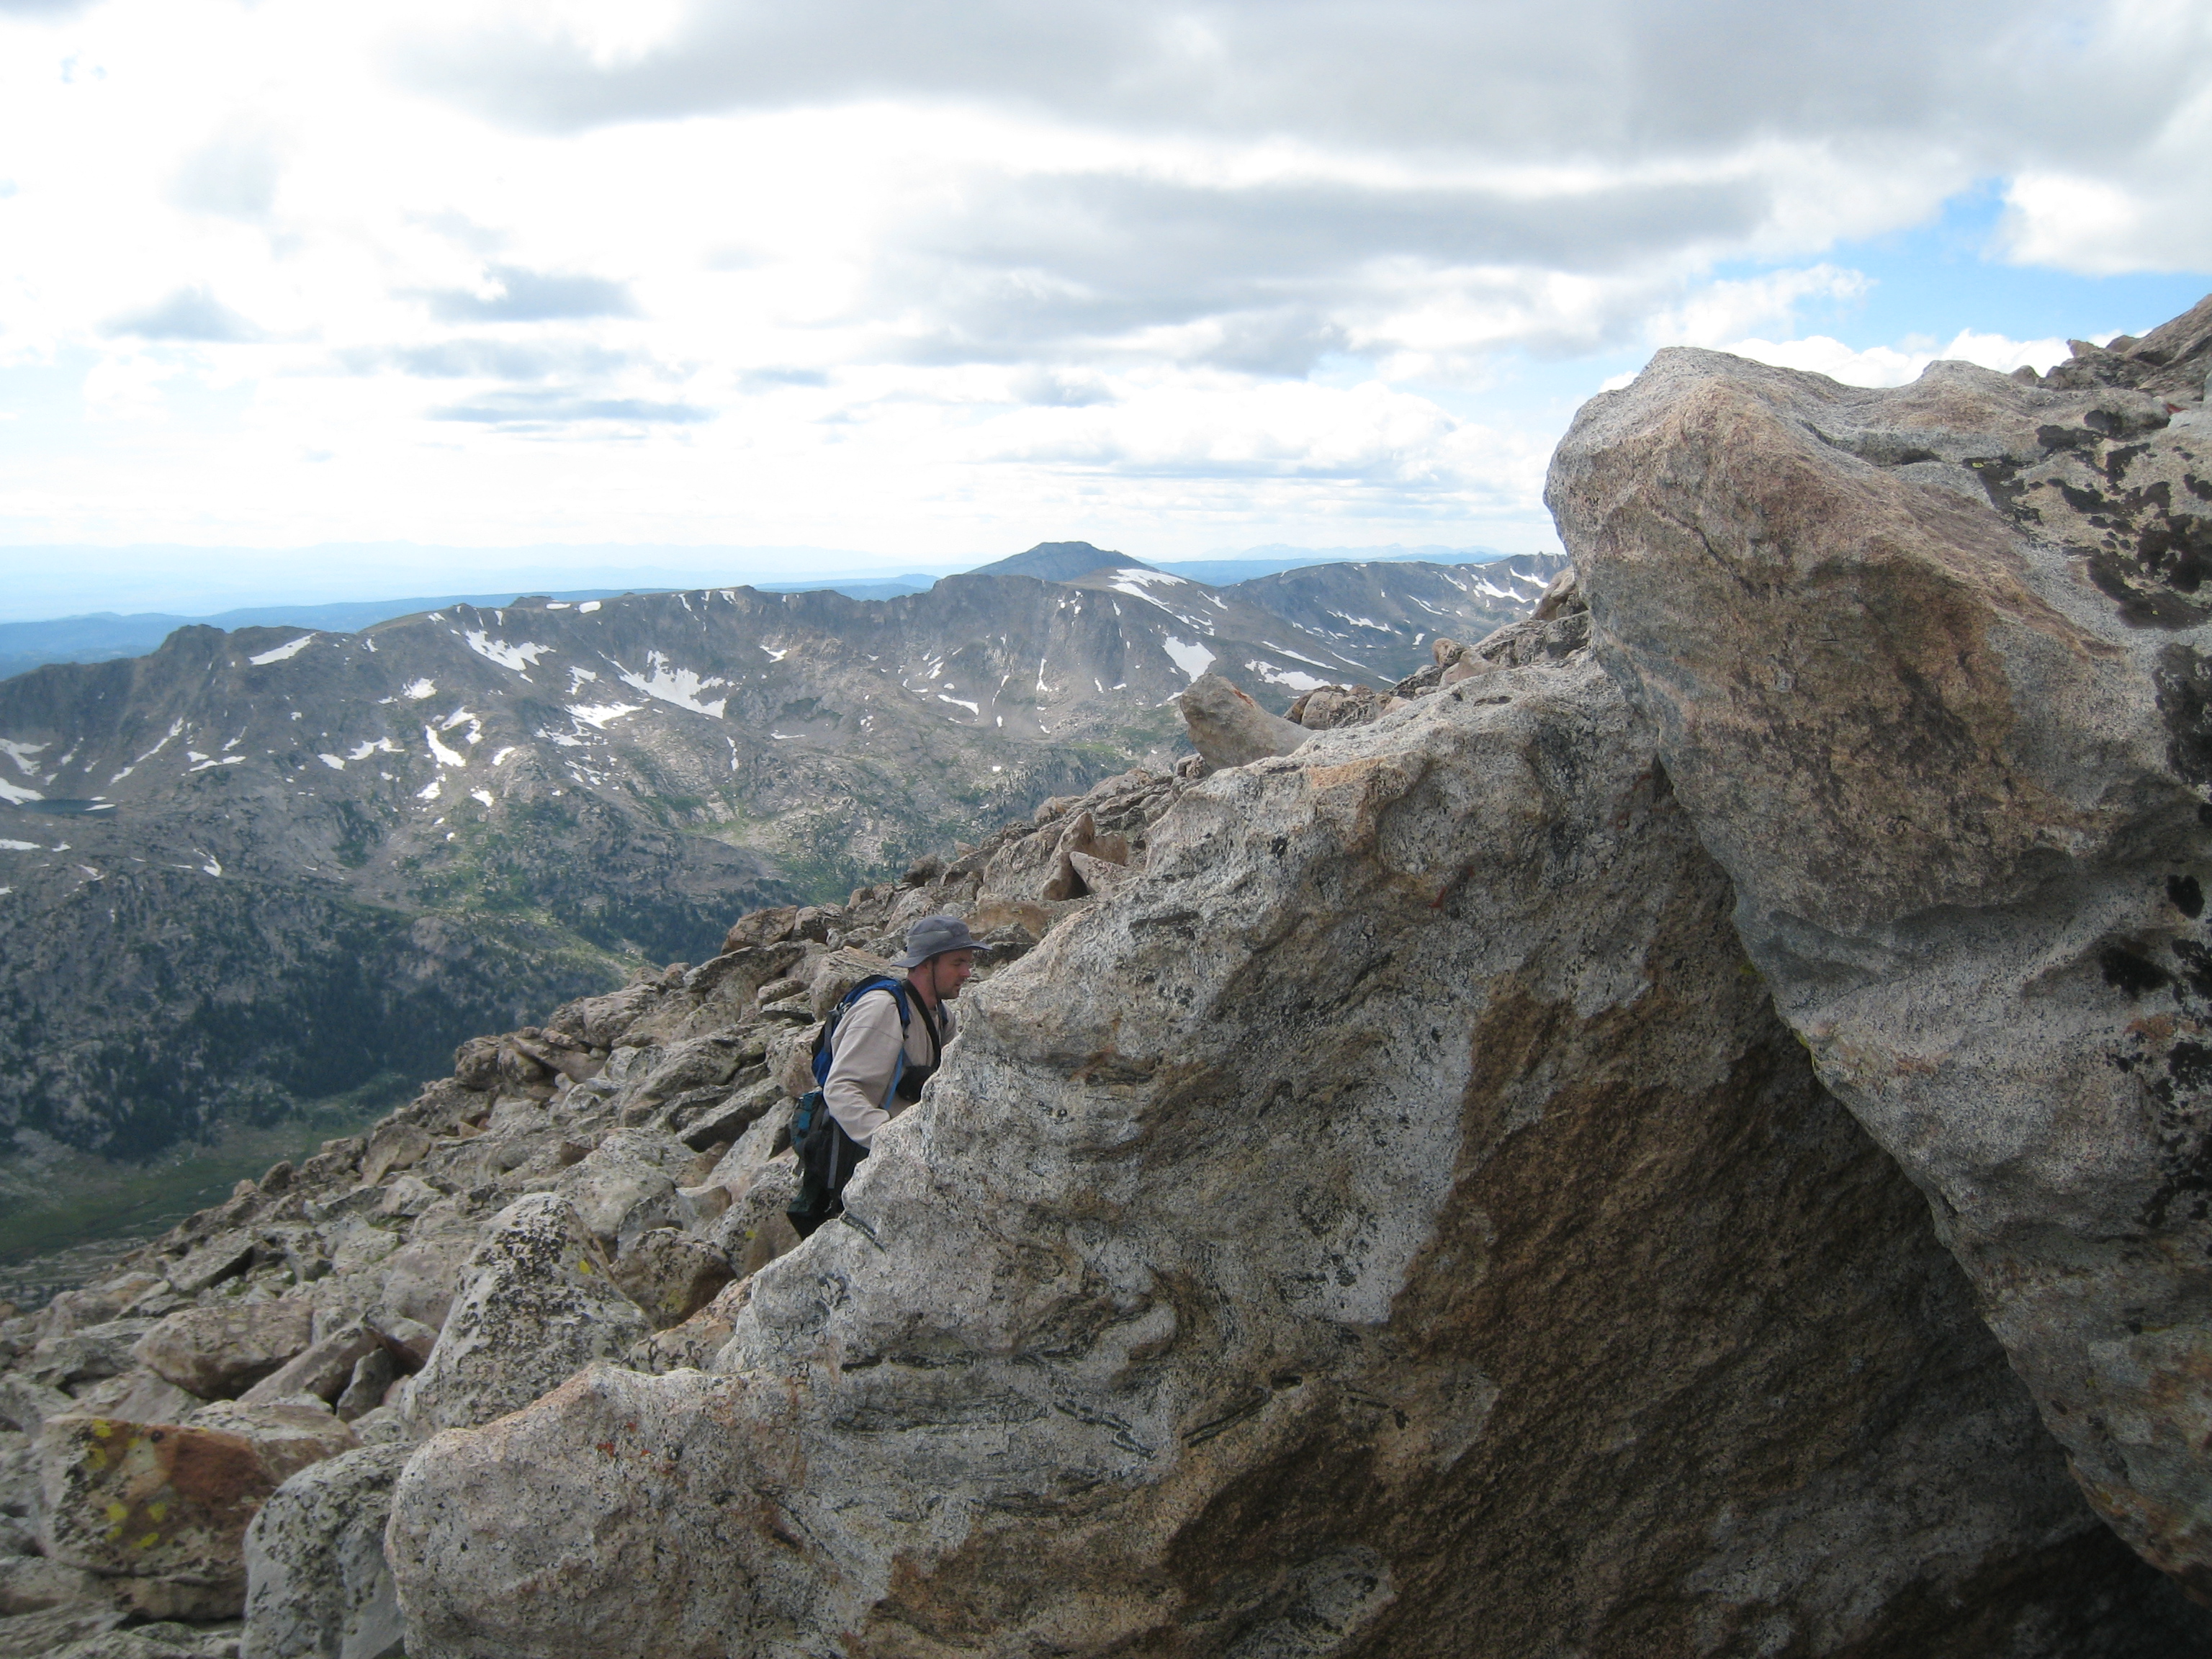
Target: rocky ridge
598 1187
1371 1202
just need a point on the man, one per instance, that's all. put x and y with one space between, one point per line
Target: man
939 958
883 1047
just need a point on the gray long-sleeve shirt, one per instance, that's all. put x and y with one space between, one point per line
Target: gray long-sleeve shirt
858 1090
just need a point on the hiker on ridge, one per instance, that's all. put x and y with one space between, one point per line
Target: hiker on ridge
879 1046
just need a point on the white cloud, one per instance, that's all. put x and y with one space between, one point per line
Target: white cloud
1889 366
859 274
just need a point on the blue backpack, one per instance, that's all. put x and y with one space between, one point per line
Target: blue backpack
825 1039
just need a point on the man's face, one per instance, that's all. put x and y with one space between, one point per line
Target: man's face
949 971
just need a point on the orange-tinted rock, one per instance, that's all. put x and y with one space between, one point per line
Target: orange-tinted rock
167 1500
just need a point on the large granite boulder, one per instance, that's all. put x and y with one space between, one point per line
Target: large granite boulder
1228 728
1932 672
216 1353
626 1186
535 1306
1395 1224
317 1586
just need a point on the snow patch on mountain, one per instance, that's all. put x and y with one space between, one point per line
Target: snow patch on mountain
283 653
665 683
598 715
1193 660
519 658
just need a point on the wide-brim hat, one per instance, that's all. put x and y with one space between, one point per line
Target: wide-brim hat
932 935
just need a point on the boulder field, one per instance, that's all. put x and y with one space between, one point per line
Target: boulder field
1675 1132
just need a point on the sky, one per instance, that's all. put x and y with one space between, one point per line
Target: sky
309 302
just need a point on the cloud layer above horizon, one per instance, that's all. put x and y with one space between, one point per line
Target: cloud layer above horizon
929 278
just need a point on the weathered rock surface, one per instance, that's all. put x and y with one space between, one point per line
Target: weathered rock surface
1396 1224
626 1186
55 1629
217 1352
1325 707
317 1586
154 1641
1377 1214
1228 728
537 1305
1930 669
31 1584
137 1501
323 1370
670 1275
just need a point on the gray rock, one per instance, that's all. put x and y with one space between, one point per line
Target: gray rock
137 1396
790 1059
416 1282
626 1186
670 1275
394 1146
85 1354
317 1585
408 1195
410 1340
324 1370
219 1258
724 1119
1928 669
26 1404
217 1352
759 927
58 1629
372 1378
1395 1221
756 1228
19 1479
693 1345
162 1640
1228 728
535 1306
30 1584
837 972
693 1064
601 1021
1325 707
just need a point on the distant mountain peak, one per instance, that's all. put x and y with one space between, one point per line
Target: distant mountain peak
1060 561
